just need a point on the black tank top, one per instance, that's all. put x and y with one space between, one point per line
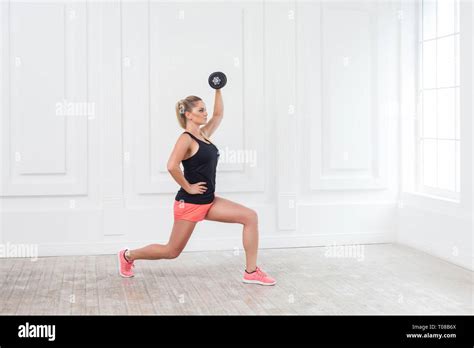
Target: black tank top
200 167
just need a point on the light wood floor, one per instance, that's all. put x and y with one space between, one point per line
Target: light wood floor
391 279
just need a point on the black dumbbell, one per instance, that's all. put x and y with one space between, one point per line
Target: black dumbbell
217 80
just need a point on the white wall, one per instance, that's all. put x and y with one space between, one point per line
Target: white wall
313 90
439 227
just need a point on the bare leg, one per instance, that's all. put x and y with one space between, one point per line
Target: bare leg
250 242
182 230
224 210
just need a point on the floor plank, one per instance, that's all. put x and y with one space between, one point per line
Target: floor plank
387 279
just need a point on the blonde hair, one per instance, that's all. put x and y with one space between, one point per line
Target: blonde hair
184 105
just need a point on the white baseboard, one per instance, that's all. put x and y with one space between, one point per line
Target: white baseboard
265 242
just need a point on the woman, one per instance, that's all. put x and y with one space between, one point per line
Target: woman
195 201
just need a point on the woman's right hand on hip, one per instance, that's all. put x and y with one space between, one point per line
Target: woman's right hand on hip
197 188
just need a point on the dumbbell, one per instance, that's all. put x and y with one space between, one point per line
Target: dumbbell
217 80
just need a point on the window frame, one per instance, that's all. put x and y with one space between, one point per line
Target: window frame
419 138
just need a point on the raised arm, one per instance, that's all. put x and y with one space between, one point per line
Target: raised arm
217 115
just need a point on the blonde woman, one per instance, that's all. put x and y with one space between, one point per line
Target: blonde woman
195 200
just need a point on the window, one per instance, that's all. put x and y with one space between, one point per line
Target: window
438 128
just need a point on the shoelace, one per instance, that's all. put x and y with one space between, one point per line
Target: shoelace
261 274
130 265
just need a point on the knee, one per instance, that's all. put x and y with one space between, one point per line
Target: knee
251 217
173 253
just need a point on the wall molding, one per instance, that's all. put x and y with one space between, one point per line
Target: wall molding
321 176
35 178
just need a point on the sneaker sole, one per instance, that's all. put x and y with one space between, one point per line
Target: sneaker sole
257 282
122 275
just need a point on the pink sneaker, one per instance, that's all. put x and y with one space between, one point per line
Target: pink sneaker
258 277
125 267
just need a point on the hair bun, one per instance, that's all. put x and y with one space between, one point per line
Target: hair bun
181 107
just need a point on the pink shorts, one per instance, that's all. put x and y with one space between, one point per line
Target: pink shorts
190 211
